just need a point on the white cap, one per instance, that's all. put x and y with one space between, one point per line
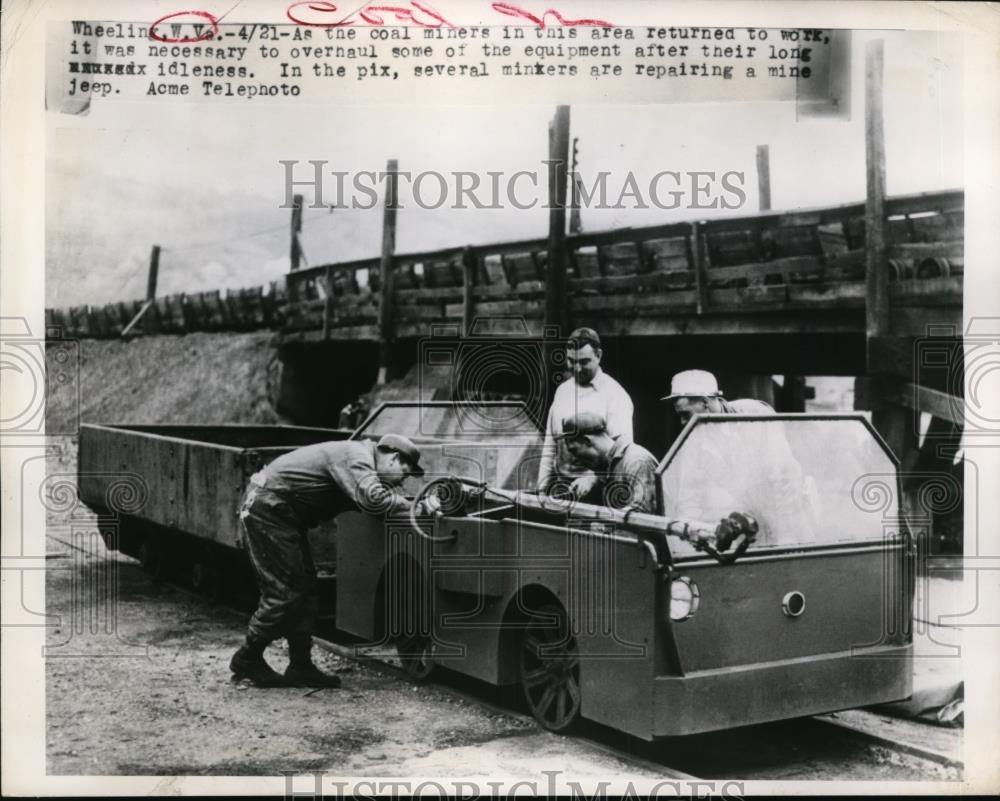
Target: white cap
693 384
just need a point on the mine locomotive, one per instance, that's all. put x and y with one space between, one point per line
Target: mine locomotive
775 580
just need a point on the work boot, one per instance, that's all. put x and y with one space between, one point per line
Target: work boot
310 676
301 672
247 663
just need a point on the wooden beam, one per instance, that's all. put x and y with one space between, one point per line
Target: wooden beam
556 300
296 249
882 390
575 225
469 263
386 268
328 306
877 272
154 271
145 307
763 178
700 268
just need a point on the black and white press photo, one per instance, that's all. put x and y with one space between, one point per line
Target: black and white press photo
487 398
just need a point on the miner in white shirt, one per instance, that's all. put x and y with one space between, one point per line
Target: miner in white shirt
589 389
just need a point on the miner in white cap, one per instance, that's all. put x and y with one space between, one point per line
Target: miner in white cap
293 493
697 392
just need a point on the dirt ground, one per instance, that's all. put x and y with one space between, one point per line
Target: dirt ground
138 683
195 378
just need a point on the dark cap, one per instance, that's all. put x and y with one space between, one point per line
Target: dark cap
585 336
582 423
397 443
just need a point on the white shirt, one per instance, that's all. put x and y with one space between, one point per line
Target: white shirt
602 395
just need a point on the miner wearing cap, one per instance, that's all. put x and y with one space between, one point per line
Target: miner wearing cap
697 392
588 389
736 467
293 493
626 471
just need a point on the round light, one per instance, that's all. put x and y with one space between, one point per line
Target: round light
684 597
793 604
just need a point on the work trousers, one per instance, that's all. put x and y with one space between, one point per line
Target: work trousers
286 574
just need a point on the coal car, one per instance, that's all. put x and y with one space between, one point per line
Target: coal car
774 580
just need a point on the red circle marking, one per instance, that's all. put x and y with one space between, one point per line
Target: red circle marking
213 21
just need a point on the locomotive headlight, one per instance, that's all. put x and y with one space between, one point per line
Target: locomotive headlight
684 597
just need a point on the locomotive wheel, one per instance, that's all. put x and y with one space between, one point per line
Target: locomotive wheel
549 669
415 653
204 575
151 556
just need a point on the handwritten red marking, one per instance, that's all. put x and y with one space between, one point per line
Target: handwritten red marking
212 20
317 5
513 11
370 14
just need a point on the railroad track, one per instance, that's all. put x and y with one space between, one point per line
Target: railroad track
480 699
681 759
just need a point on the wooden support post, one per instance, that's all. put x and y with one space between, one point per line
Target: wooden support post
575 225
296 249
385 333
470 261
698 263
763 178
896 424
877 270
328 303
556 300
154 270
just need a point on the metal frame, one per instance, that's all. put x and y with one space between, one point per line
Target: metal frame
437 404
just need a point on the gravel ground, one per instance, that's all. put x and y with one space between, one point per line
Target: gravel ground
154 691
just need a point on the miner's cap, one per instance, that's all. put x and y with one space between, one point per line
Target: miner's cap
582 423
693 384
397 443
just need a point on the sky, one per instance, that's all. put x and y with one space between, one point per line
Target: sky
204 181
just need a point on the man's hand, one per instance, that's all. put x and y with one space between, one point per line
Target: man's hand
582 485
431 504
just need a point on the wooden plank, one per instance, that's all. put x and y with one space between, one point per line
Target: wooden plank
351 333
783 267
142 312
928 292
689 324
504 307
626 283
666 302
927 250
845 293
413 313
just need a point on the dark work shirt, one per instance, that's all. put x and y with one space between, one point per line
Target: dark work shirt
630 480
320 481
